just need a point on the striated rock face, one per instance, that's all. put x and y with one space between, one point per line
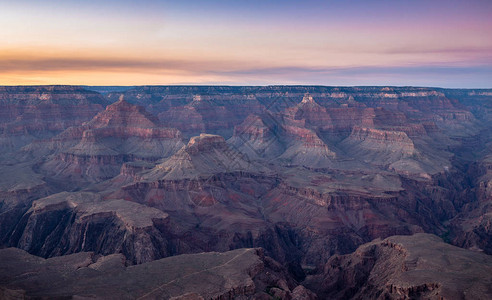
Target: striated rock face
379 145
313 113
258 136
36 112
96 150
406 267
204 154
68 223
303 172
124 114
306 148
284 137
217 113
244 273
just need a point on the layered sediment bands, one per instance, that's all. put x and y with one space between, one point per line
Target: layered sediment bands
405 266
309 172
313 113
186 119
96 150
258 136
69 223
306 148
292 224
217 114
205 155
384 145
30 113
337 223
345 118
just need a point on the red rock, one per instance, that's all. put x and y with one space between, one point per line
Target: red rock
37 112
123 132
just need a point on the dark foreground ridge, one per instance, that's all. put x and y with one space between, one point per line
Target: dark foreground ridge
243 273
400 267
421 266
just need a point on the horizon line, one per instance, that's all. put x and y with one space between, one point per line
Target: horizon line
246 85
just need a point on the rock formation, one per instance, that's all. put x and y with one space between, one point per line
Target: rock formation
97 149
406 267
244 273
305 172
68 223
38 112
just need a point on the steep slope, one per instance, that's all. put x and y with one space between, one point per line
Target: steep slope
472 228
419 156
206 154
216 113
314 114
305 179
406 267
96 150
379 146
258 136
39 112
283 137
306 148
68 223
19 186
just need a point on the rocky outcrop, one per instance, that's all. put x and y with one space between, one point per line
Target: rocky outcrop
96 151
39 112
244 273
205 155
258 136
380 145
472 228
19 186
217 114
314 114
309 172
406 267
306 148
68 223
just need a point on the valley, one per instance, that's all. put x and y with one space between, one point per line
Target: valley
310 182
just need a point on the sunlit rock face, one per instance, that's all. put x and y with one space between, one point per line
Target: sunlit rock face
305 173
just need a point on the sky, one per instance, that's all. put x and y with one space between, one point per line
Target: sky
439 43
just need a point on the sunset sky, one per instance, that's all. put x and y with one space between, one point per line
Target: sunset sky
444 43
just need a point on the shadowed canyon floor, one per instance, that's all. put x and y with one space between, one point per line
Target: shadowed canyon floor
306 173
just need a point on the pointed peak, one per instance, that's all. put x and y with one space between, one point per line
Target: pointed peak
121 102
124 113
307 98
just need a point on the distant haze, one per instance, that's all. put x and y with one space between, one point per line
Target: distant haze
256 42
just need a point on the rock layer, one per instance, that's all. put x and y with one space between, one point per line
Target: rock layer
122 133
406 267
